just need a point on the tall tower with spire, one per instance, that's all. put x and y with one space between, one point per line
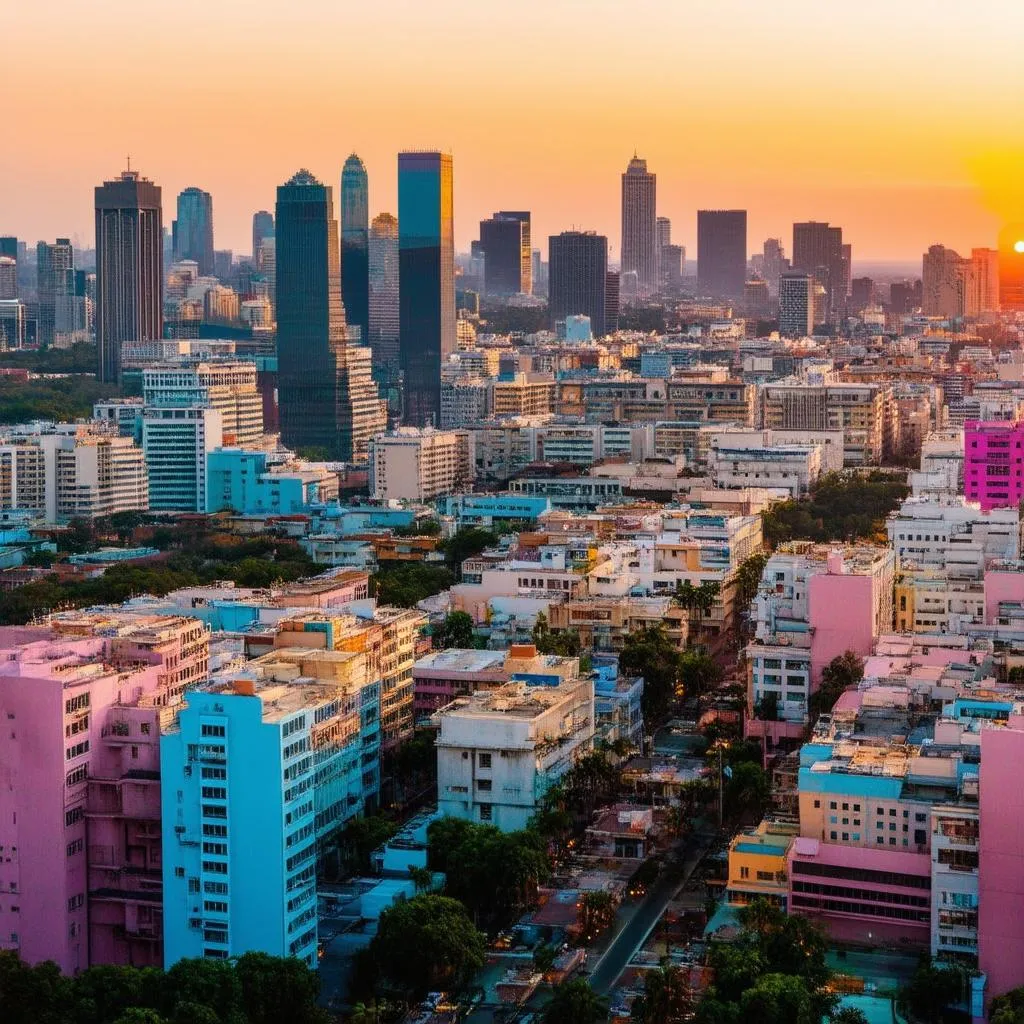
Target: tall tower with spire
355 225
639 234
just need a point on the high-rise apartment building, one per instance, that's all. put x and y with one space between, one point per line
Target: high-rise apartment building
943 281
508 259
426 292
818 249
355 226
176 441
722 252
1011 268
192 230
129 268
262 227
578 277
8 278
420 464
862 293
773 264
58 308
80 823
985 280
383 299
796 305
639 218
994 463
320 406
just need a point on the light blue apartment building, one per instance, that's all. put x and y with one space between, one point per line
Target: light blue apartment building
242 481
254 775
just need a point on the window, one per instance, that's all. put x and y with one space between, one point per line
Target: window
215 793
744 872
74 815
219 867
215 906
216 831
179 872
211 730
217 849
833 835
817 803
484 785
484 760
486 812
74 847
216 888
215 773
76 902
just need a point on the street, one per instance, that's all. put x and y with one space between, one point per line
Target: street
634 934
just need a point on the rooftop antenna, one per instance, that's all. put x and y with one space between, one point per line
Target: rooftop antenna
129 159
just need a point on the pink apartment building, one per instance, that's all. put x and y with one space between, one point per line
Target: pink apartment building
994 463
81 702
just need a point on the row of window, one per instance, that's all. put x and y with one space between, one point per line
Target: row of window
864 909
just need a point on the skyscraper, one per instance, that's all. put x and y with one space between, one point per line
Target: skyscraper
129 267
192 231
722 252
262 227
796 304
942 281
55 274
818 249
508 258
8 278
639 240
326 397
383 300
986 275
355 219
578 277
426 270
1011 268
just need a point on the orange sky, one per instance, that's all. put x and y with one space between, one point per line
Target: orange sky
896 119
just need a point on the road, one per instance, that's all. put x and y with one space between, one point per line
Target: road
636 931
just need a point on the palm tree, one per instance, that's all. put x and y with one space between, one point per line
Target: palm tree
575 1002
667 998
598 912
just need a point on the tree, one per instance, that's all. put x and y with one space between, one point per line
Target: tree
360 837
575 1002
427 943
778 999
455 631
597 912
747 790
200 982
544 957
278 988
698 672
140 1015
931 990
842 672
849 1015
667 998
466 542
32 995
1008 1008
106 991
405 584
748 577
650 653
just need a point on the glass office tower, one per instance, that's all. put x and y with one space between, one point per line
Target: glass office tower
354 247
426 270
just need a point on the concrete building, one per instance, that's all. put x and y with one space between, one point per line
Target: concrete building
465 402
420 464
796 305
526 394
739 459
71 471
639 235
228 386
177 443
80 822
953 535
499 751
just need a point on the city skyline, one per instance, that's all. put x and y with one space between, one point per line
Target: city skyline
945 130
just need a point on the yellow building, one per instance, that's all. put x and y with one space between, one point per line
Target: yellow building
757 863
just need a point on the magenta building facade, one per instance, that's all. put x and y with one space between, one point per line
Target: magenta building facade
994 463
1001 859
81 703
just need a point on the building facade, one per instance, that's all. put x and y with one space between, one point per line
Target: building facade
355 224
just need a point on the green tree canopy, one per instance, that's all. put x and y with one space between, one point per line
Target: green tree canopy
575 1002
650 653
427 943
455 631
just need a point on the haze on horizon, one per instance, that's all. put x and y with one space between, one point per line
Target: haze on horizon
901 122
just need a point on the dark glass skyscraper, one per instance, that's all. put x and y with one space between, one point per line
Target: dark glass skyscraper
55 276
129 268
262 227
426 273
355 228
508 257
578 277
818 250
192 231
326 397
722 252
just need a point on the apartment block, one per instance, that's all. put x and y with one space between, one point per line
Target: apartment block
420 464
252 483
499 751
80 821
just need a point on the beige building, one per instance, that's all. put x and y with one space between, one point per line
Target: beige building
70 472
420 464
860 411
527 394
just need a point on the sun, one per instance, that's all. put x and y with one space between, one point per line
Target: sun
1018 246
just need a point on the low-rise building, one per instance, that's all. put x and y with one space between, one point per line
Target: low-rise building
250 483
420 464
